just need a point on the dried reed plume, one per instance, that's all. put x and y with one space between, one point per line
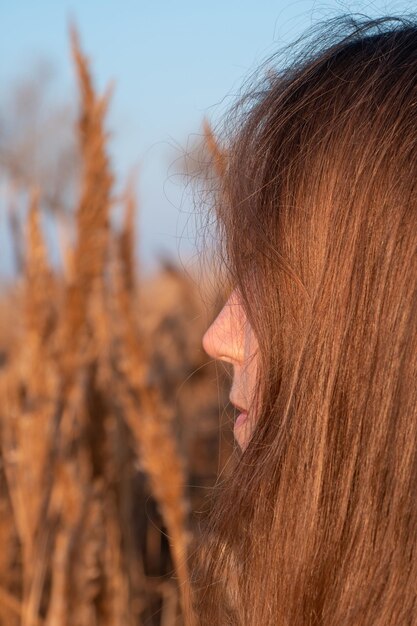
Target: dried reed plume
216 153
153 431
75 393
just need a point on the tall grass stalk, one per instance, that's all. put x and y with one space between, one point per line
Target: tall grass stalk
78 411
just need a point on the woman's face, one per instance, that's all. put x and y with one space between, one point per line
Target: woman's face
230 338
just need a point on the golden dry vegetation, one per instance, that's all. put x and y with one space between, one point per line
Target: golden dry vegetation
109 416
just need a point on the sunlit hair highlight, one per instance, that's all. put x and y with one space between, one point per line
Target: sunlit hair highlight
316 219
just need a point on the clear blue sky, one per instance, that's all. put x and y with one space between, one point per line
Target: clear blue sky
173 62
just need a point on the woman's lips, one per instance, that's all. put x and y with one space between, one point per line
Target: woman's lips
241 425
241 418
240 430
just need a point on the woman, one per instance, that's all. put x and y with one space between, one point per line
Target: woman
317 221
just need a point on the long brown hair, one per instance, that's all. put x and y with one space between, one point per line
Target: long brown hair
317 225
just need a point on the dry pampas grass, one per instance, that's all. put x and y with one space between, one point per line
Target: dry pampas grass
81 413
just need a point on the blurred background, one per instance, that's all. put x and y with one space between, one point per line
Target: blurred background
115 427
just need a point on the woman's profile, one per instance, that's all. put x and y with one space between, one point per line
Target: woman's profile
317 223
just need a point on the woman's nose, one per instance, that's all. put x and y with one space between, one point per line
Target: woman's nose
223 340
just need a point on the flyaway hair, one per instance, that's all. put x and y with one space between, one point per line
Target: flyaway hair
316 219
